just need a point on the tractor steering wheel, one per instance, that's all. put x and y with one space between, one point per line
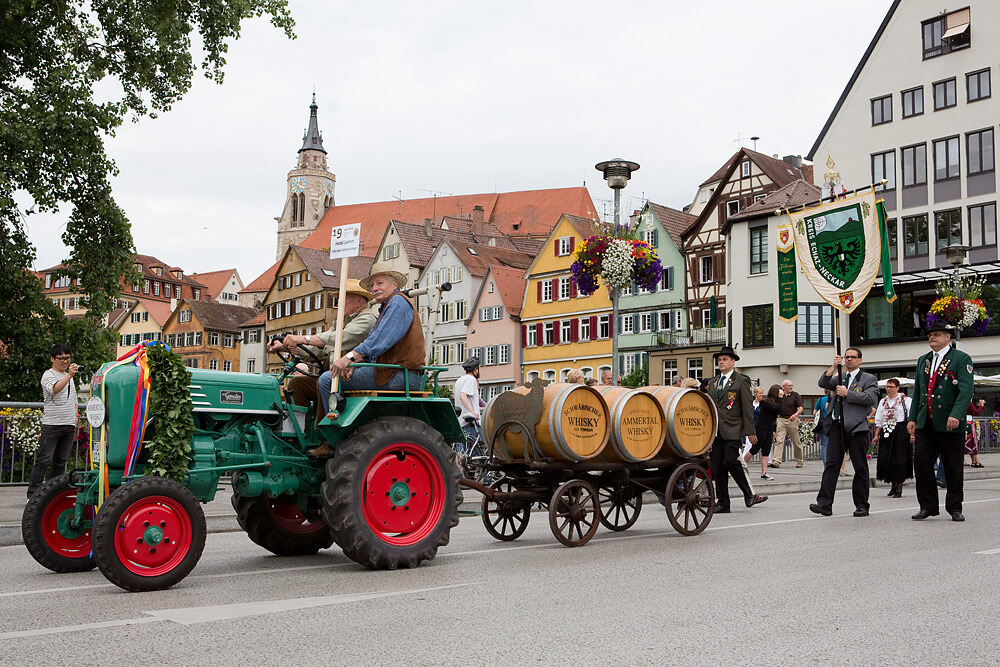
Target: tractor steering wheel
313 363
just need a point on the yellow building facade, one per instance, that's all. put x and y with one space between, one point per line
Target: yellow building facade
561 329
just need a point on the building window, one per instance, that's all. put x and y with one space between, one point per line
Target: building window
145 287
977 85
213 364
732 208
913 101
604 326
251 365
455 274
979 151
227 366
503 354
944 94
669 371
253 335
884 167
815 324
745 169
948 227
706 317
565 331
695 368
944 34
758 250
390 251
546 290
227 340
532 336
915 236
914 165
983 225
584 328
460 310
213 338
190 363
706 269
547 333
564 246
667 280
646 322
890 226
563 289
627 322
882 110
758 326
184 316
946 161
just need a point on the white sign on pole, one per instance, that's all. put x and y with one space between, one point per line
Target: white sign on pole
345 241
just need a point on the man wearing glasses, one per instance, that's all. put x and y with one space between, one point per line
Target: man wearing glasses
58 416
854 399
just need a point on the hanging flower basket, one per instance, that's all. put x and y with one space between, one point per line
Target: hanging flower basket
967 315
618 262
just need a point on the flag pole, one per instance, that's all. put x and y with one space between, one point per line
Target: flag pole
832 197
840 381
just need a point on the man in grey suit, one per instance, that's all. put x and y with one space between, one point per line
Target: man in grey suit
854 399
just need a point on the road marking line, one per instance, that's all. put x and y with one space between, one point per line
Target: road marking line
989 552
224 612
77 628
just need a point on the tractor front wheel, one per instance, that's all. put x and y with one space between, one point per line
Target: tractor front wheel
149 534
392 494
48 530
278 525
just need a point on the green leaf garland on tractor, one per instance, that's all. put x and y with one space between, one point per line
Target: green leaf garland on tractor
170 407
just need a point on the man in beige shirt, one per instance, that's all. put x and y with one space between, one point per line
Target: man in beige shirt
788 424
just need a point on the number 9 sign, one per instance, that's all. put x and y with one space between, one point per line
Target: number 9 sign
345 241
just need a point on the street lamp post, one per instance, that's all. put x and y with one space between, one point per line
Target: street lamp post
956 253
617 173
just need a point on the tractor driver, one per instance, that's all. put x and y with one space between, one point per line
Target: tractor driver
359 319
398 338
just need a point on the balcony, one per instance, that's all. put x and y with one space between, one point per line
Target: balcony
692 338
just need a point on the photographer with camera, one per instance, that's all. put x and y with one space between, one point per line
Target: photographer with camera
58 416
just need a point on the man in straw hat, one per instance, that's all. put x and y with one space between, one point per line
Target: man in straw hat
359 320
942 390
398 338
730 390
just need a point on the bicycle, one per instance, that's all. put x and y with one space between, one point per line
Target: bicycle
473 456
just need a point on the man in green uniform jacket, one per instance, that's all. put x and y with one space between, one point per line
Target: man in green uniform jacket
941 395
731 392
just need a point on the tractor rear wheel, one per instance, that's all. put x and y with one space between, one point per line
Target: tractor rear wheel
278 525
48 534
392 494
149 534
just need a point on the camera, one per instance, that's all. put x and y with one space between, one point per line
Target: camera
80 369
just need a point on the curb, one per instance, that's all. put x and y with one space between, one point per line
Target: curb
10 533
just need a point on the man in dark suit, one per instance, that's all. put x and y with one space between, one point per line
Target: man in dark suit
732 395
941 394
854 395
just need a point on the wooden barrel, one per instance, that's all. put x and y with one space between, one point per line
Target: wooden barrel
572 423
691 421
637 425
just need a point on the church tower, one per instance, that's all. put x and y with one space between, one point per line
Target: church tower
310 188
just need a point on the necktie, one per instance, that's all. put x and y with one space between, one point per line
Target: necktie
937 360
722 383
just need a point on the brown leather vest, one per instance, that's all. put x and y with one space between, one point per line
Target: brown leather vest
408 352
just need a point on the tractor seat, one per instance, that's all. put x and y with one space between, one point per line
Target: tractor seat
386 392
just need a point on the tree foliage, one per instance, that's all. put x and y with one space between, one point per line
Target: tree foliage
71 72
637 377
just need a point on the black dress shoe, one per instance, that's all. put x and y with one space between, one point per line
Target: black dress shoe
923 514
719 509
957 516
756 500
819 509
942 485
896 494
891 493
860 512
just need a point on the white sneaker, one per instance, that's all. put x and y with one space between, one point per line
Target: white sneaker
766 476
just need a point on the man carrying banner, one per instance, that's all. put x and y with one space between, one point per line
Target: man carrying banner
855 396
942 391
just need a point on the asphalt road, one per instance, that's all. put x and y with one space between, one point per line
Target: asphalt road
770 585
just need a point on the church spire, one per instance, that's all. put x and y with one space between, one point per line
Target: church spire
312 139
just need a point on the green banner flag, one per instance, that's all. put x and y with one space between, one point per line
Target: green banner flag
788 292
890 292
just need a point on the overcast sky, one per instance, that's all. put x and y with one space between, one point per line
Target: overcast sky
463 97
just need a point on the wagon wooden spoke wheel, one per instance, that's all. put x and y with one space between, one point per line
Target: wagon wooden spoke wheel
574 513
621 503
690 499
505 520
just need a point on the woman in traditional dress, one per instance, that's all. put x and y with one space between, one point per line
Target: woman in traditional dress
971 441
895 445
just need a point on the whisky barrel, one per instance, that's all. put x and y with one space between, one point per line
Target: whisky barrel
637 425
572 423
691 421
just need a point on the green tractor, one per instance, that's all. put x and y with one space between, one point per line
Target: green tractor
389 497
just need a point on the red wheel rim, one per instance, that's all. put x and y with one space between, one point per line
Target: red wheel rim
154 535
287 514
68 547
403 495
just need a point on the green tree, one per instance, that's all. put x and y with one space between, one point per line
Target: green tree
637 377
54 55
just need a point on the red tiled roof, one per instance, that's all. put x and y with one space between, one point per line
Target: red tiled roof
779 171
795 193
262 283
511 284
158 310
526 212
257 320
214 281
326 271
419 247
483 256
220 316
674 221
585 227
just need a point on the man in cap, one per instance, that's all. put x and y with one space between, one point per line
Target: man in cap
398 338
733 398
467 399
855 393
359 320
942 391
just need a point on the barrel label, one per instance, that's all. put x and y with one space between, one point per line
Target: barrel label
691 420
584 418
